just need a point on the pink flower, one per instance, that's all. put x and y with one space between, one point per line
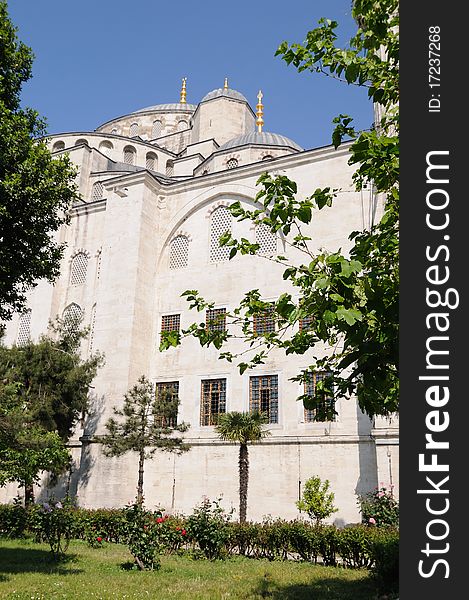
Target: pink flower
159 520
99 539
372 521
183 532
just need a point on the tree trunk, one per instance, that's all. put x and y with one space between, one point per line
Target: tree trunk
243 481
141 461
28 494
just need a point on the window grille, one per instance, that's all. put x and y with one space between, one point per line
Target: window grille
264 322
58 146
78 269
212 401
97 190
92 324
24 328
266 239
232 163
169 168
220 223
182 125
170 323
167 397
326 404
106 147
129 155
215 319
72 316
179 252
151 161
134 129
306 323
263 396
156 129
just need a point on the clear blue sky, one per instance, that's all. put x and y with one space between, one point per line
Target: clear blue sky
99 59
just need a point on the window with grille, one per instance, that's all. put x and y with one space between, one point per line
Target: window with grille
264 322
266 239
326 404
97 190
106 147
306 323
215 319
134 129
263 396
220 223
72 316
156 129
58 146
169 168
129 155
232 163
179 252
212 401
167 401
170 322
151 161
182 125
78 269
24 328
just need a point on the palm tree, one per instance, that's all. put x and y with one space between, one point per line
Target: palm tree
242 428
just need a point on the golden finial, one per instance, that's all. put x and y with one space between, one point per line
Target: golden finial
260 112
183 91
225 85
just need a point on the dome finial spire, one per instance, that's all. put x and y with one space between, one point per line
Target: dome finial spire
225 85
183 91
260 112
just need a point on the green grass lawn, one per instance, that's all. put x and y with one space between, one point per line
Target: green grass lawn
27 571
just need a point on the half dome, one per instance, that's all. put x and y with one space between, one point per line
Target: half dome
263 138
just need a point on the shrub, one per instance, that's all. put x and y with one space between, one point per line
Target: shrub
355 546
379 508
13 519
304 540
316 500
53 522
142 536
385 552
208 526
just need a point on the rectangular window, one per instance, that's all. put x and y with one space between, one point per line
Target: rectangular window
264 322
212 400
170 322
167 401
327 404
263 396
306 323
215 319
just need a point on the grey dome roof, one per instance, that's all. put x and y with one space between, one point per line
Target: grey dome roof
176 106
226 93
263 138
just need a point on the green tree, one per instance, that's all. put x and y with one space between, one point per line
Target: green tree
350 302
148 425
316 500
242 428
35 190
44 388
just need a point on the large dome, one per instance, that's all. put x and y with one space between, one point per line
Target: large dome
176 106
263 138
225 93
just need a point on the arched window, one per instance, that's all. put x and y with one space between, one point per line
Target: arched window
78 269
182 125
24 328
97 190
169 168
151 161
81 141
156 129
106 147
267 157
232 163
114 131
266 239
220 223
60 145
72 316
134 129
179 252
129 155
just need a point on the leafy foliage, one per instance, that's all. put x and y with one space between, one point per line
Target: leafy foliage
54 523
35 190
208 526
316 499
146 427
351 301
379 508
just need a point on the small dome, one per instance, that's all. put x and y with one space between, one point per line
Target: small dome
226 93
263 138
168 107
